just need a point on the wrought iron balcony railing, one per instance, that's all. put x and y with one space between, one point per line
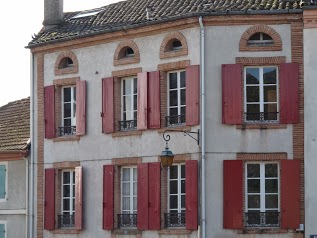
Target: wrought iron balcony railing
128 220
127 125
174 219
261 117
262 219
66 221
67 130
175 120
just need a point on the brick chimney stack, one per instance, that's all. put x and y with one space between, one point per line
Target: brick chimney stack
53 13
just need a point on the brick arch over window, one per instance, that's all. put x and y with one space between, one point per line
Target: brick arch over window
277 42
119 54
166 52
67 70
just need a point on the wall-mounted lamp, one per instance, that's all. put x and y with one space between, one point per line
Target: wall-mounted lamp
167 156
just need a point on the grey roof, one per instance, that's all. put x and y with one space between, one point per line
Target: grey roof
15 125
132 13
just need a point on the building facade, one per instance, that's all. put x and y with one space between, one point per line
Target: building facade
110 83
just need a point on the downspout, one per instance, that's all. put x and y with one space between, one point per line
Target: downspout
26 196
202 127
31 194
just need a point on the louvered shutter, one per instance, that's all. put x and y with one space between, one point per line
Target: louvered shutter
191 184
81 107
108 197
232 194
231 94
49 111
154 196
3 181
290 194
142 101
143 197
154 107
107 105
2 231
79 197
192 95
289 93
49 203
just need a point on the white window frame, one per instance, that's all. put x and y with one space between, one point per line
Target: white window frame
179 193
261 91
5 227
6 182
132 94
178 89
262 187
261 42
73 104
72 191
131 195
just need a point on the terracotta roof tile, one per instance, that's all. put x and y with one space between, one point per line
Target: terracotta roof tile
15 125
132 13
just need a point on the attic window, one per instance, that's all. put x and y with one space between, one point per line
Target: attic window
66 63
176 45
128 52
260 39
87 13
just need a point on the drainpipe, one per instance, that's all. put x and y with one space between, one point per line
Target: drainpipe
26 195
202 126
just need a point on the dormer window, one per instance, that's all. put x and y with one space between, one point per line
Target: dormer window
128 52
259 39
176 45
66 63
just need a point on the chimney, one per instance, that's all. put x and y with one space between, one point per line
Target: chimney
53 13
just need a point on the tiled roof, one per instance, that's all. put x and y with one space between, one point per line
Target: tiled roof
15 125
132 13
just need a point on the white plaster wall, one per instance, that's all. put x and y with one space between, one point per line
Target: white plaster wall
310 99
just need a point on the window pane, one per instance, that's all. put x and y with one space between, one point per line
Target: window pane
135 102
183 79
135 190
172 80
269 75
135 203
253 112
183 97
183 110
183 201
270 111
252 76
125 174
135 174
253 94
173 112
66 204
173 187
67 94
266 37
271 185
173 172
126 203
253 170
270 170
125 189
173 98
128 103
271 201
270 94
74 93
183 186
127 84
135 85
66 190
74 109
67 110
255 36
66 177
182 171
253 201
253 185
173 202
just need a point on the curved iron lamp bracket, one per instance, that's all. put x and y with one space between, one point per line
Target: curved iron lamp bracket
167 137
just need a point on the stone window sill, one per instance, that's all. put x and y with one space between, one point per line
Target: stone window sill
66 138
126 133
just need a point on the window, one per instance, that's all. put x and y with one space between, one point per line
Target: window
66 219
176 45
262 195
260 39
68 111
176 98
128 104
3 181
66 63
176 197
128 216
261 94
2 230
128 52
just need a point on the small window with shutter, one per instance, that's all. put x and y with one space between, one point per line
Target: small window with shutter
3 229
3 181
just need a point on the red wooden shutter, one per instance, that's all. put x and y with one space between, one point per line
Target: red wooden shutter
108 197
154 107
232 194
231 94
289 93
49 204
81 107
107 105
142 101
154 196
79 197
191 184
143 197
192 95
49 111
290 194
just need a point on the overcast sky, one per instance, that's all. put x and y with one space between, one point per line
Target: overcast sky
19 20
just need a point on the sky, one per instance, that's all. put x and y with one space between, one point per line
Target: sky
19 20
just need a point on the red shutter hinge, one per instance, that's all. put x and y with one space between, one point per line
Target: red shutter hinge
101 114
